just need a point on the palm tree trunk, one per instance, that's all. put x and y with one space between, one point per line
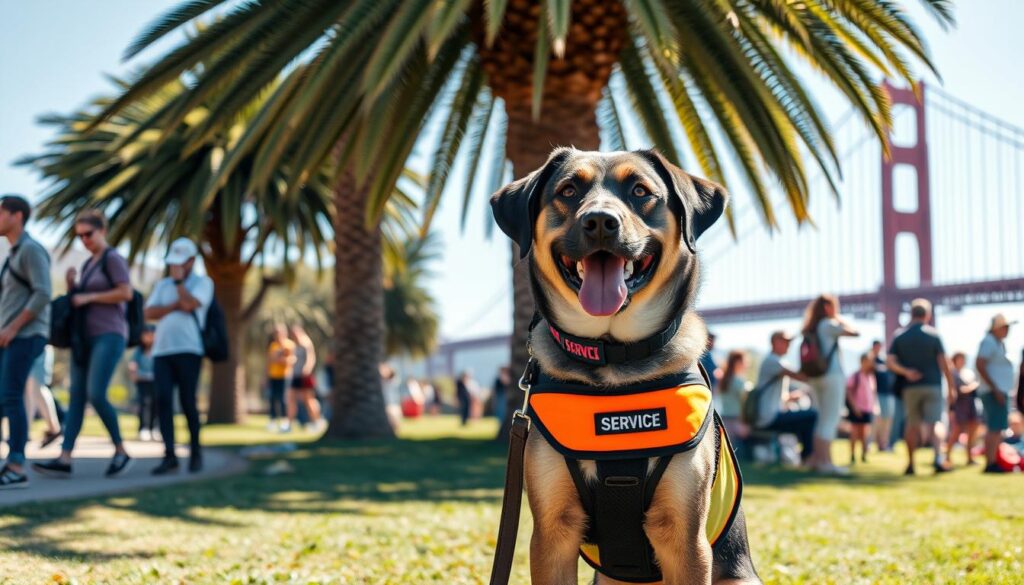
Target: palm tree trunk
227 381
529 144
357 399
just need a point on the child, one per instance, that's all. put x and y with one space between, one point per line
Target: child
140 371
860 401
963 412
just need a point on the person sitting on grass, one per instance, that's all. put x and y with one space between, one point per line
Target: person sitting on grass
860 402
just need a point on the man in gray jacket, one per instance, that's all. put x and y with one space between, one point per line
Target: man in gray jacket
24 327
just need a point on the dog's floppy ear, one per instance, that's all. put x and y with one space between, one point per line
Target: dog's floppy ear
698 202
516 205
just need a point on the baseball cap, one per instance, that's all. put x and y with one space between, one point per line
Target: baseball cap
182 250
780 334
999 321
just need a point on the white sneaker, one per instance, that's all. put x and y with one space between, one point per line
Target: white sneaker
286 426
145 435
272 427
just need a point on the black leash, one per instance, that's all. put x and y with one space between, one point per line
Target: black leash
512 500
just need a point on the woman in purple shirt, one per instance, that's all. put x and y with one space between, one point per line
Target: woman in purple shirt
101 296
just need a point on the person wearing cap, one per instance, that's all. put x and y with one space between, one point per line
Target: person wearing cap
140 372
24 326
773 392
996 375
99 294
179 304
918 356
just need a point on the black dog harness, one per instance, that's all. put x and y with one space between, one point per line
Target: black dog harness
621 429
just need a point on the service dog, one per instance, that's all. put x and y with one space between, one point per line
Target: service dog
611 243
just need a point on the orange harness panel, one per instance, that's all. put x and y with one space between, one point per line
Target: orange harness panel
659 419
647 420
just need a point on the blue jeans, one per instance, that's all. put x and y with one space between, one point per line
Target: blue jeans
89 381
887 405
15 363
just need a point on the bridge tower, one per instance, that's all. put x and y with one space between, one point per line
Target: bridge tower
915 222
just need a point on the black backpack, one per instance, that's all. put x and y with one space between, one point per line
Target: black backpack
215 334
134 309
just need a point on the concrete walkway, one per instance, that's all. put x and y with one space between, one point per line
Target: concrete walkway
92 455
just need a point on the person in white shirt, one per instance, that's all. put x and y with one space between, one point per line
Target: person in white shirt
996 376
179 304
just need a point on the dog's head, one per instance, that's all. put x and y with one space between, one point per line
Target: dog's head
611 237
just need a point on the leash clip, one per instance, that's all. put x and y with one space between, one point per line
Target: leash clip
525 383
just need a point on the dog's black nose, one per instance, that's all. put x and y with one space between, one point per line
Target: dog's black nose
600 224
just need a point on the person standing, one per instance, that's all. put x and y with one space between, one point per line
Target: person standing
773 393
391 391
24 325
501 386
964 411
917 354
996 374
822 319
463 394
886 398
280 361
179 304
860 404
140 372
101 295
304 379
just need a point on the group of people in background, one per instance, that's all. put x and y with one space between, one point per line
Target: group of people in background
169 356
470 400
291 380
900 390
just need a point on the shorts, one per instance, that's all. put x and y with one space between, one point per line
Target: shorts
303 382
886 406
965 410
923 404
865 418
830 391
996 415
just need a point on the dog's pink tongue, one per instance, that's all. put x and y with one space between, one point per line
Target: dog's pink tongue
604 284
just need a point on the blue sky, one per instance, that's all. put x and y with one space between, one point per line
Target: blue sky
54 55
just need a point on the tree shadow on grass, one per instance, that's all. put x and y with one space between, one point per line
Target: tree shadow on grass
774 476
330 477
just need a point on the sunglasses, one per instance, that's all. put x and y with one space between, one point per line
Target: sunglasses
86 235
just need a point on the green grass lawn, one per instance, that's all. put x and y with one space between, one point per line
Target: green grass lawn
424 509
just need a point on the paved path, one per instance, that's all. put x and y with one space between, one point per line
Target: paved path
92 455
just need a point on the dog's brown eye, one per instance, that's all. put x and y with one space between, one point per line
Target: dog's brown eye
569 191
641 191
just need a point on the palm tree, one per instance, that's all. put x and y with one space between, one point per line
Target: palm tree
153 190
722 68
